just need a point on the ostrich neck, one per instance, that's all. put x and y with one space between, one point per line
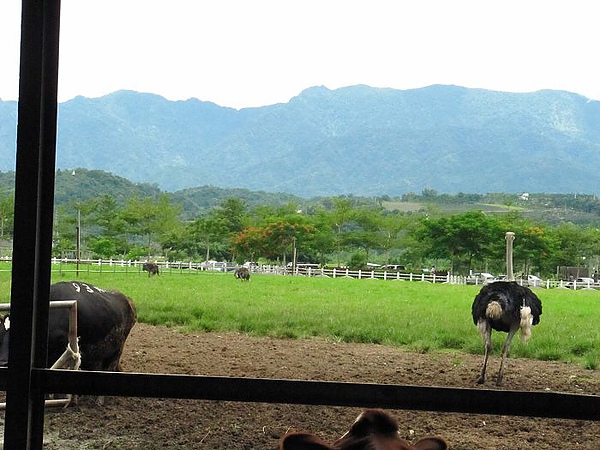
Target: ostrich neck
510 237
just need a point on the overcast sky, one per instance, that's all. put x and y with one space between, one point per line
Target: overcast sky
242 53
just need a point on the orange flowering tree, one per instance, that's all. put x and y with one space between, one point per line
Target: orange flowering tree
272 240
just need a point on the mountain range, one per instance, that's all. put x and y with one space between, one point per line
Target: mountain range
355 140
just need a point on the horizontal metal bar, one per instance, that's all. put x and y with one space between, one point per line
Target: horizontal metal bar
53 304
462 400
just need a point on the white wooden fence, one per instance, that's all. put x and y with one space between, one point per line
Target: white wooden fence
66 265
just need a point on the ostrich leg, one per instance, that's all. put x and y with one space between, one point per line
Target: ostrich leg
505 349
486 333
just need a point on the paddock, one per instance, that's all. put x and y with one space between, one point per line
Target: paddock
36 144
135 423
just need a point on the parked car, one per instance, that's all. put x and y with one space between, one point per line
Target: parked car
579 283
393 267
530 280
303 268
480 278
534 281
219 266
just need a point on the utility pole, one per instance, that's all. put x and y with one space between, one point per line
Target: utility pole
78 241
293 255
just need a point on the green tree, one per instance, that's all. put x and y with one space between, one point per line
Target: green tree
573 245
394 229
324 242
7 205
341 216
364 232
104 247
462 238
149 220
206 233
532 247
232 213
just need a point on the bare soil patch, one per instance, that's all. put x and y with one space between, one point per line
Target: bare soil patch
132 423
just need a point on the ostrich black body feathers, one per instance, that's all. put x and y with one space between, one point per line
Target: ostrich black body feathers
511 298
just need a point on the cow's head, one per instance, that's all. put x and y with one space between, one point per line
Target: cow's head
373 429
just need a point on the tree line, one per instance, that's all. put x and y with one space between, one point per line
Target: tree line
339 232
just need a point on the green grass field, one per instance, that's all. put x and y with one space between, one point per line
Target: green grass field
421 316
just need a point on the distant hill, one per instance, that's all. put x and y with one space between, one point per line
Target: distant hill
356 140
81 185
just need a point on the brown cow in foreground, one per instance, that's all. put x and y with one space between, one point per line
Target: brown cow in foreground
373 429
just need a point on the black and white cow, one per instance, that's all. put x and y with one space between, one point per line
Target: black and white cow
151 268
104 320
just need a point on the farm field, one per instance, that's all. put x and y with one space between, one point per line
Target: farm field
423 317
322 329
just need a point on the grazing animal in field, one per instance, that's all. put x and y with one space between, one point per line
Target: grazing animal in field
373 429
504 306
104 320
151 268
242 273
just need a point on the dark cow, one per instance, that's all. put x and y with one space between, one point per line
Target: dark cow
104 320
151 268
4 327
242 273
373 429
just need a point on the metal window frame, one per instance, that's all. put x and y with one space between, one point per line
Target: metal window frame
26 380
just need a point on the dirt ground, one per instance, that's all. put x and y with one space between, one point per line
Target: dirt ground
132 423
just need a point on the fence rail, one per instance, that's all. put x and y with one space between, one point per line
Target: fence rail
69 265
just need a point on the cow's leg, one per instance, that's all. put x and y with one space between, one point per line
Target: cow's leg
4 351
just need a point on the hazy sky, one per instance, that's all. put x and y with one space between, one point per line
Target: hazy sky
242 53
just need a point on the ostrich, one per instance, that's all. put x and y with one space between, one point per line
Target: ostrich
505 306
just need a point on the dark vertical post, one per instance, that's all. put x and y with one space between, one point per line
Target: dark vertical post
78 241
34 198
294 255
